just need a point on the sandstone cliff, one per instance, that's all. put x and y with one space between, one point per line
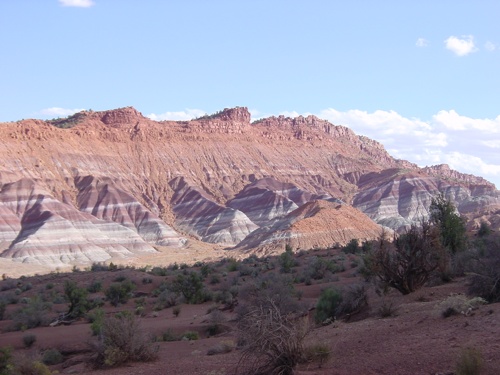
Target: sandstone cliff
101 185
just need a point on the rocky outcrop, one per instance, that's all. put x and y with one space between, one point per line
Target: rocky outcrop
49 232
267 199
198 215
397 198
105 201
316 224
98 185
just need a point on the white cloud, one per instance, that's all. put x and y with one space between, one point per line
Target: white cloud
453 121
422 42
293 114
490 46
461 46
59 112
491 144
77 3
186 115
460 161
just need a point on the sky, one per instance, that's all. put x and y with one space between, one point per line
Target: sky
421 77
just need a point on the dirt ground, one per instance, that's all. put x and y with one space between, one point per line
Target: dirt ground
418 340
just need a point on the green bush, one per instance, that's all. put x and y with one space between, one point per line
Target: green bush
29 339
286 260
78 301
5 360
451 226
32 315
484 271
191 287
169 335
352 247
96 319
3 307
119 293
52 357
95 287
328 305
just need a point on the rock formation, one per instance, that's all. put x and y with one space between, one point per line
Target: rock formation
100 185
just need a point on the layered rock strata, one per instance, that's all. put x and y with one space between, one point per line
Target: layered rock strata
101 185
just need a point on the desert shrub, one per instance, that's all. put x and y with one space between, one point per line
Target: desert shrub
176 311
26 287
169 335
78 301
190 335
232 265
319 268
451 226
95 286
119 293
272 341
459 304
32 315
328 306
317 353
214 279
120 278
99 267
159 271
29 339
3 307
191 287
352 247
469 362
52 357
10 298
147 280
407 263
354 300
5 360
122 340
223 347
8 284
96 319
224 296
166 299
27 365
387 309
484 229
484 272
273 288
286 260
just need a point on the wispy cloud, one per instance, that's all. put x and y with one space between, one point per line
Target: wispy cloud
461 46
422 42
58 112
186 115
77 3
490 46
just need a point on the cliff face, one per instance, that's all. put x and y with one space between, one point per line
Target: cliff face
101 185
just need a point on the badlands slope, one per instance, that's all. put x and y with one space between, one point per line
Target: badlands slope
114 185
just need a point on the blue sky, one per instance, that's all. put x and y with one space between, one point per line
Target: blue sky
422 77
